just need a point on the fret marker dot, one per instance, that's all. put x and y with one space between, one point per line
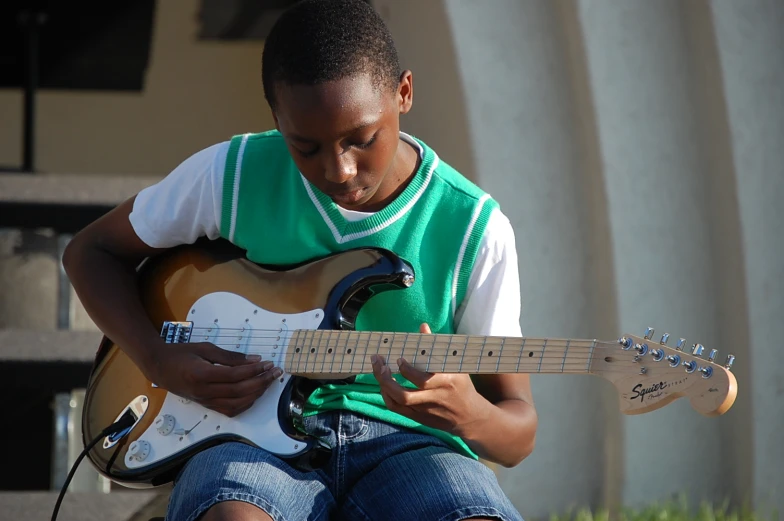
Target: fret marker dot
386 340
312 349
297 350
423 351
530 354
329 350
349 351
454 353
490 353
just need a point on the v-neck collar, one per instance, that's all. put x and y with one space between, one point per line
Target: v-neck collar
344 230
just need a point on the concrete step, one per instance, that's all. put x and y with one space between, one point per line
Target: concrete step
136 505
22 345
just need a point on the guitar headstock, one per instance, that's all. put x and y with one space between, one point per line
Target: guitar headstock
649 374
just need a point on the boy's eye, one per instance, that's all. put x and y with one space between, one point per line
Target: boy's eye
309 153
367 143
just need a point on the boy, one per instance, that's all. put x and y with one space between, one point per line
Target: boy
336 174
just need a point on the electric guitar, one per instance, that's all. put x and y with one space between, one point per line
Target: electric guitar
302 318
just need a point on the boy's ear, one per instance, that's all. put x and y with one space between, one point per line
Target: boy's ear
405 91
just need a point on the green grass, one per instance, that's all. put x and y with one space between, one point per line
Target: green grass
676 510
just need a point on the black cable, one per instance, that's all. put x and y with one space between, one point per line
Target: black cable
125 421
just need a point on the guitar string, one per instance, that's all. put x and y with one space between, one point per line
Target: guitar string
437 344
489 341
330 357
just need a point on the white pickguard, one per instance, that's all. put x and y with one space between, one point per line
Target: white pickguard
233 323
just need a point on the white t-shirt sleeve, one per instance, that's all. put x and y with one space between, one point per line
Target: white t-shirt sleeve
491 306
186 204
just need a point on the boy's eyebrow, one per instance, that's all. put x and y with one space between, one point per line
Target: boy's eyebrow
359 127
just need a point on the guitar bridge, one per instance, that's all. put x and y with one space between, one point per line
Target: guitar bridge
176 332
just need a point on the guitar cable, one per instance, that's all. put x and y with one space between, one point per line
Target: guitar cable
125 421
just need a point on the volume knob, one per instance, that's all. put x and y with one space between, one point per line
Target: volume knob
164 424
139 450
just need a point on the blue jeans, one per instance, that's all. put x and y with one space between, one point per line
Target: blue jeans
376 471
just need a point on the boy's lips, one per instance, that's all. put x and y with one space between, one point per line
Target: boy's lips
351 197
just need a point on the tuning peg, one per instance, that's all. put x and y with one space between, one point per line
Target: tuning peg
729 362
712 355
681 343
697 349
648 333
664 338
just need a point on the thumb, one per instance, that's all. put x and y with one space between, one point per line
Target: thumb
425 329
217 355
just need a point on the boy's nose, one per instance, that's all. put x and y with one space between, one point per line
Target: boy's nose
340 168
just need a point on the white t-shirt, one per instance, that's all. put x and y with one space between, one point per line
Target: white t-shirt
186 205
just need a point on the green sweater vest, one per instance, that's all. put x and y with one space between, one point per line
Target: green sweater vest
436 224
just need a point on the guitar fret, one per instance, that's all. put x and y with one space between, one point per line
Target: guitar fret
481 356
520 355
391 343
310 349
366 346
311 357
541 356
338 342
430 356
500 354
301 354
462 355
563 362
301 347
331 361
448 349
325 348
347 352
342 360
319 350
590 356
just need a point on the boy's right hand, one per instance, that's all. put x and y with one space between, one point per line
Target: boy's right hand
215 378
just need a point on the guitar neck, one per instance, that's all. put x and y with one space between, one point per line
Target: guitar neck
349 352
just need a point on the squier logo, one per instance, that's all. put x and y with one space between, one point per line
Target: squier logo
640 393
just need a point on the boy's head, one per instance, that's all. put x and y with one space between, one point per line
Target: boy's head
331 76
317 41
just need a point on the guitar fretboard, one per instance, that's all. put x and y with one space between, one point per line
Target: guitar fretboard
349 352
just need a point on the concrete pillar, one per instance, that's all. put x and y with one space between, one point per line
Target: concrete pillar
523 125
750 39
641 72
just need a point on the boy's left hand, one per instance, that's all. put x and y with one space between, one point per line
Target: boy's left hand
444 401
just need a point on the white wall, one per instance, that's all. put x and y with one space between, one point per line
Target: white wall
636 147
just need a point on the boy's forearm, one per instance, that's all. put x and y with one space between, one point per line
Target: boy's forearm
506 436
107 289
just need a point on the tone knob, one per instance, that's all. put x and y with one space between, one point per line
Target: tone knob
164 424
139 450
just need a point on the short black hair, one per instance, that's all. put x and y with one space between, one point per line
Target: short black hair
317 41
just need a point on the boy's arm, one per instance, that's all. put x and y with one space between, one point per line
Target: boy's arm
101 262
494 414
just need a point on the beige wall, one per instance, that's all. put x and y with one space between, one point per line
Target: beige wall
196 93
424 42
